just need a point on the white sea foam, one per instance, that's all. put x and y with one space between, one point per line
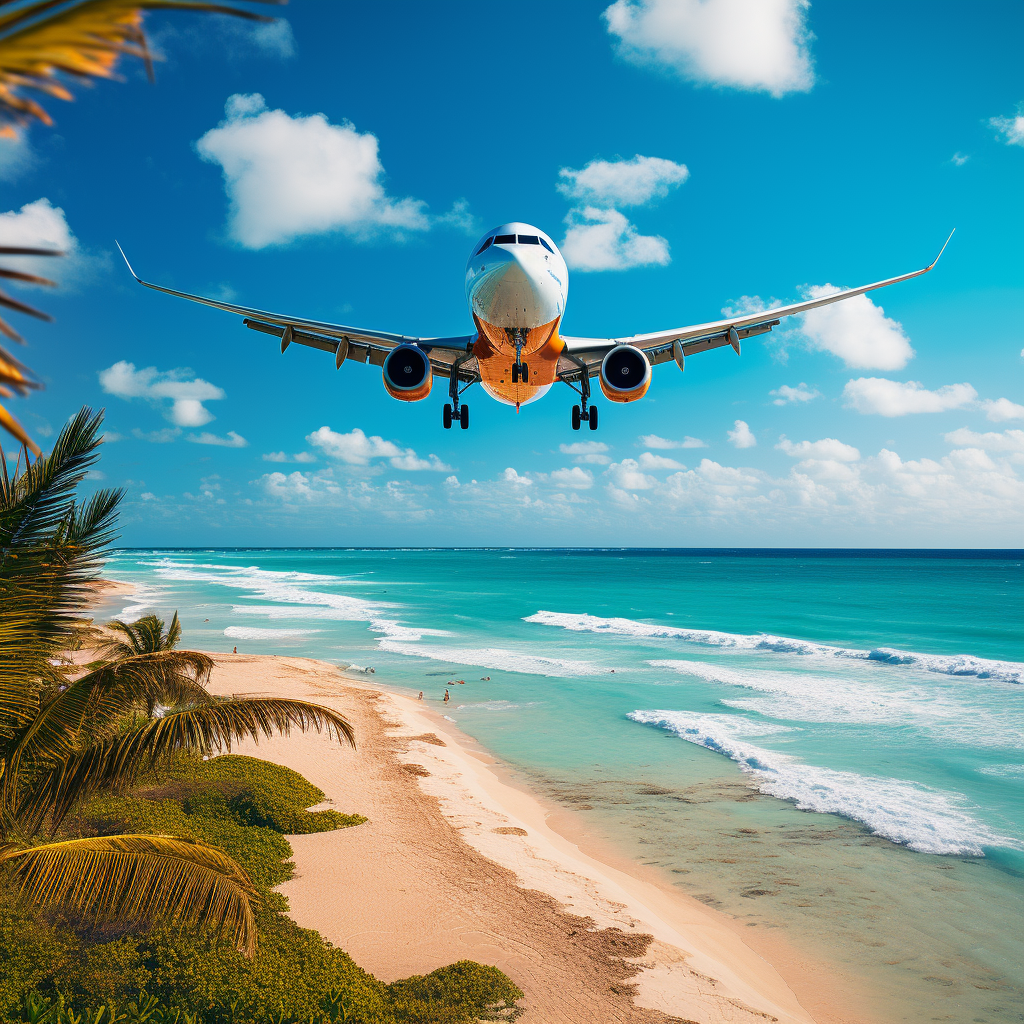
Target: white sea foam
496 705
948 664
495 658
255 633
924 819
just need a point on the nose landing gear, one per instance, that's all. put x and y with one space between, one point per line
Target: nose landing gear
520 372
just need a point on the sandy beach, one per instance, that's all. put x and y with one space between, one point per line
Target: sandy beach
459 862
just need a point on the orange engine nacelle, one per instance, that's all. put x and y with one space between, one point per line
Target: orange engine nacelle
407 373
625 374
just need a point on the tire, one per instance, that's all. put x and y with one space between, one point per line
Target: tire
464 417
515 374
525 373
593 417
446 417
575 417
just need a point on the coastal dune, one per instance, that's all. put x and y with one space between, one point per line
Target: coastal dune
457 863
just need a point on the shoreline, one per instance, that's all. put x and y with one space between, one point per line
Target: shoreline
587 932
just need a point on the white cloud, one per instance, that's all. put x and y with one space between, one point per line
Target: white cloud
41 225
959 159
622 182
187 396
786 395
292 176
451 481
1011 128
512 477
857 331
626 476
275 38
650 461
576 478
741 436
285 457
759 45
587 451
998 410
164 436
894 398
1007 441
356 449
16 157
828 448
232 440
148 496
606 240
653 441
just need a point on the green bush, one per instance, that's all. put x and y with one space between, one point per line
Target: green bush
53 973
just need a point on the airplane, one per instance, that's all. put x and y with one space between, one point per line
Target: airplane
517 284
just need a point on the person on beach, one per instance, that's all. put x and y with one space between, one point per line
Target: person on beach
234 650
447 697
420 697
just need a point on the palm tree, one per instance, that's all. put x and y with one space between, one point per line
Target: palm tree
45 44
65 737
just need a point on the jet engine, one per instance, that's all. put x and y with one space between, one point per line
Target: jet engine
407 373
625 374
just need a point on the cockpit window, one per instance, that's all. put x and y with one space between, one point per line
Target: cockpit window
504 239
484 246
529 240
546 246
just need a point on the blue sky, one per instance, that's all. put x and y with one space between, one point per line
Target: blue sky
368 146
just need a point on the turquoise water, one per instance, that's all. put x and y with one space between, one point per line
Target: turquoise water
825 742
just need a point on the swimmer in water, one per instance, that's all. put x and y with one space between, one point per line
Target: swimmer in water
447 697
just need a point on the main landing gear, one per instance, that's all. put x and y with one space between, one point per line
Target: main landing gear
581 412
456 412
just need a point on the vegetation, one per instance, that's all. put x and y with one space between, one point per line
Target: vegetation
112 975
44 46
67 735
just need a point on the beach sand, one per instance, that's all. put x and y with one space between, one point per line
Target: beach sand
458 861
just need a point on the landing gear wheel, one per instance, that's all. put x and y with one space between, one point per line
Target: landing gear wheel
575 417
593 417
524 372
464 417
446 417
515 373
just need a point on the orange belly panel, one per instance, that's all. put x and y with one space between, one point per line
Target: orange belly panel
496 353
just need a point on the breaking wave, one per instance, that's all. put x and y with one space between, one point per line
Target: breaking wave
255 633
919 817
947 664
496 658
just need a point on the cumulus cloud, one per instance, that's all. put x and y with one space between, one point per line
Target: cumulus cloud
577 478
510 476
785 395
741 436
664 443
297 487
622 182
356 449
857 331
885 397
648 460
232 440
1010 128
285 457
626 476
605 240
998 410
993 441
41 225
291 176
757 45
826 448
186 396
587 451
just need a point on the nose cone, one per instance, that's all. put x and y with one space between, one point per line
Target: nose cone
516 286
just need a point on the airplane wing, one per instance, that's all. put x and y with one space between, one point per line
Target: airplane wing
343 342
676 344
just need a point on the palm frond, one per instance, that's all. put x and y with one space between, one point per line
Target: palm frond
139 878
114 765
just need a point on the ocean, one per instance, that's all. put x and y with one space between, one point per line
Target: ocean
830 743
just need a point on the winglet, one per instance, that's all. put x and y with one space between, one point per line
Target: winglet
139 279
930 265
